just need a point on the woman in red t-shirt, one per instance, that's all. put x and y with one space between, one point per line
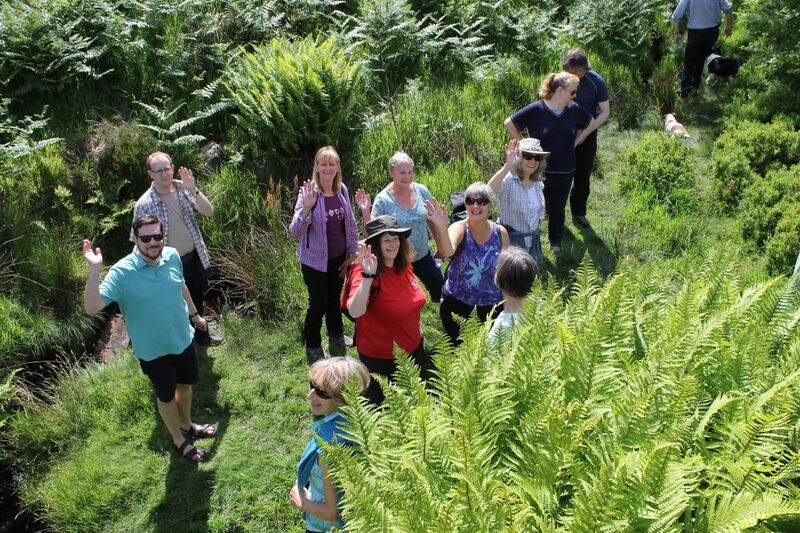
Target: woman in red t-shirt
386 300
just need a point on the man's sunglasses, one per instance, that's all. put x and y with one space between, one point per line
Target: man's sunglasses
536 157
147 238
469 200
322 393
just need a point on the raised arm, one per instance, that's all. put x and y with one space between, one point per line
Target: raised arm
496 182
306 199
187 182
438 220
92 302
357 305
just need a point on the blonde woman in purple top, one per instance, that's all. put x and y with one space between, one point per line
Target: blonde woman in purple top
324 225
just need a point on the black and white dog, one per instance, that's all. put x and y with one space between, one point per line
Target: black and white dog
721 67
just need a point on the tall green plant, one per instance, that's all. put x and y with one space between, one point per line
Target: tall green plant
638 404
291 98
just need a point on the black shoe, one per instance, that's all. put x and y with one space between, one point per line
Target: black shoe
209 340
581 221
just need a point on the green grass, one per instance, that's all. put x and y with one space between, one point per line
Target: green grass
100 459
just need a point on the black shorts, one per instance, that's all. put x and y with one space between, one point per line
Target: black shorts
165 371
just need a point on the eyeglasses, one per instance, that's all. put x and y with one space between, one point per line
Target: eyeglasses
322 393
469 200
161 170
536 157
147 238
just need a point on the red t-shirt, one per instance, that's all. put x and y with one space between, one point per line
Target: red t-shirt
393 316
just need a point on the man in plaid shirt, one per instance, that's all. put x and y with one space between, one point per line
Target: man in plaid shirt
175 202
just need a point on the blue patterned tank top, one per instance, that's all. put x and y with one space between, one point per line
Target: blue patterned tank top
470 276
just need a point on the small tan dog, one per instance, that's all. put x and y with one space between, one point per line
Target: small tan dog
675 128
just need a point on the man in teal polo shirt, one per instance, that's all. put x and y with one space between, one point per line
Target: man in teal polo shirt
149 288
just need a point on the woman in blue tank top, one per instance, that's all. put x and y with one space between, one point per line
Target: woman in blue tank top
477 242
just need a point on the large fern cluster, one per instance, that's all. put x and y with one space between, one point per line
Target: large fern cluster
641 404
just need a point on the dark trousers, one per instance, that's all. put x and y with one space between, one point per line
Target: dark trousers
430 275
196 281
584 163
324 299
453 306
556 194
698 45
387 368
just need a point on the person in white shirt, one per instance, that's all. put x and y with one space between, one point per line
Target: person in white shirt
514 276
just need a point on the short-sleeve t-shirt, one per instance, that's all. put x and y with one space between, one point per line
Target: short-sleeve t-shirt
334 226
392 317
151 300
414 218
557 134
591 91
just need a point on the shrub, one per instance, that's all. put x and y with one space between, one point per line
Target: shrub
766 85
660 168
766 202
747 149
621 31
626 405
782 247
292 98
117 175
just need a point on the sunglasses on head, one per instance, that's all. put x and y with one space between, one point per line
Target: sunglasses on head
322 393
147 238
536 157
469 200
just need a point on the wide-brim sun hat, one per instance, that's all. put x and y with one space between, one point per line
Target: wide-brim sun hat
531 145
384 224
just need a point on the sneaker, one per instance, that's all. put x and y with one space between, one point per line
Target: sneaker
581 221
555 248
348 341
314 354
337 347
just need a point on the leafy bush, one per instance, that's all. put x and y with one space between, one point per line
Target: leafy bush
292 98
766 201
748 149
68 53
767 83
642 403
783 245
660 168
621 31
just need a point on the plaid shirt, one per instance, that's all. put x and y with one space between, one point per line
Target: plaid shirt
150 203
516 209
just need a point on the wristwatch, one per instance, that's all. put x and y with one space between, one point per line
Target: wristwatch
365 275
194 314
196 192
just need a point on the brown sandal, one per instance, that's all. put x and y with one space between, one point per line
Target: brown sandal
192 454
199 431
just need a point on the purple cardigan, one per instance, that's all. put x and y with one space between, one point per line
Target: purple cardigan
312 248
